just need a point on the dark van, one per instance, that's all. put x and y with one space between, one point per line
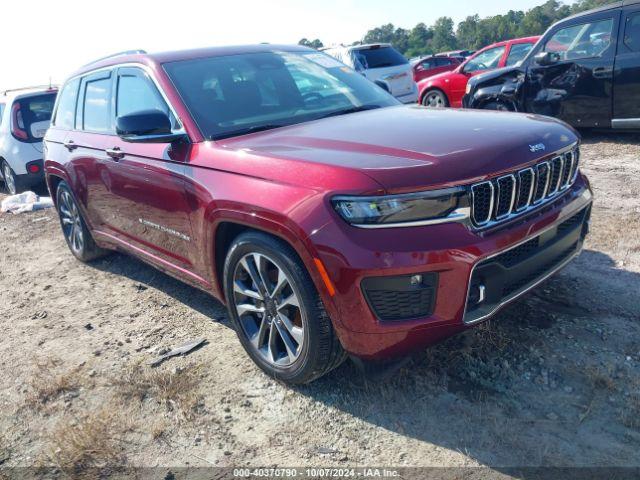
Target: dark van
585 70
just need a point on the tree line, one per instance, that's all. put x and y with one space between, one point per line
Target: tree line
473 32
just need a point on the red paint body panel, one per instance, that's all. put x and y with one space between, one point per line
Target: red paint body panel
454 83
164 203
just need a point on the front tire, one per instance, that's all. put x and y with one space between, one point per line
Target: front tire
435 99
277 312
74 228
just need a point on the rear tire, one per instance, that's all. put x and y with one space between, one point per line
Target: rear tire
435 99
277 313
12 182
74 228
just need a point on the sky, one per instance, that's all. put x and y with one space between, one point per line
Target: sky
40 40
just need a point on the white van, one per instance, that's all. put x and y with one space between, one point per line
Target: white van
382 64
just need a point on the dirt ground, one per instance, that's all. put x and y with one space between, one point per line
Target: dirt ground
553 380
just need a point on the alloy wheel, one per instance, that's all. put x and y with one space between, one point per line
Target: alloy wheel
71 222
9 181
434 100
269 309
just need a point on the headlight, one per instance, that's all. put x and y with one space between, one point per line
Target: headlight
468 89
435 206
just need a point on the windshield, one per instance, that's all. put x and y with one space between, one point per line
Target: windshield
238 94
378 57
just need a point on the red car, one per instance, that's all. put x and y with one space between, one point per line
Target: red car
430 66
331 219
447 89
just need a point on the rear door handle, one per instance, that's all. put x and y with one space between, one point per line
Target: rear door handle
70 145
115 153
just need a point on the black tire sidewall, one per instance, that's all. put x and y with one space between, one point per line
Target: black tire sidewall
16 180
88 246
307 362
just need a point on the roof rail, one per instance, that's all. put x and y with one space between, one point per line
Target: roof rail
118 54
48 86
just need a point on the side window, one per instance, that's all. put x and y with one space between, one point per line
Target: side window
66 112
443 62
582 41
486 60
518 52
632 32
137 93
96 106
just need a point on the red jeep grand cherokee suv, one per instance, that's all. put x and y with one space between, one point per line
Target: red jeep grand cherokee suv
331 219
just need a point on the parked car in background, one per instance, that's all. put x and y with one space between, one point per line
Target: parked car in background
383 65
331 222
585 71
429 66
24 118
447 89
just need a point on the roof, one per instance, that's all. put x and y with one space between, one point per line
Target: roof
24 91
611 6
174 56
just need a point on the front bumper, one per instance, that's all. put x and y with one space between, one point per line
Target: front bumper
458 257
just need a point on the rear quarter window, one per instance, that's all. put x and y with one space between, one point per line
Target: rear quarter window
66 112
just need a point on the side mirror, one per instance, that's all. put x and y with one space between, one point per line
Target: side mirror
146 126
544 59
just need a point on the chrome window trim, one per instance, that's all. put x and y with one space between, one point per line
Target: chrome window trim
113 68
491 201
587 197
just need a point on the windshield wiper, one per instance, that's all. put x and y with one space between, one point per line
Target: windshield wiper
246 131
361 108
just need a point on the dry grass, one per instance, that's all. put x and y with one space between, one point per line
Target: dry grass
601 380
630 415
90 447
48 382
177 390
5 451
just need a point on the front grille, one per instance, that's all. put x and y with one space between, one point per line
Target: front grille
497 280
513 194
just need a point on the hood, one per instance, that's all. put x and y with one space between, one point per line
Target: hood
405 148
492 74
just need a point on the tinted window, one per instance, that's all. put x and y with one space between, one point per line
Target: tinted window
379 57
96 106
486 60
518 52
34 115
137 93
66 112
443 62
231 95
427 64
632 32
581 41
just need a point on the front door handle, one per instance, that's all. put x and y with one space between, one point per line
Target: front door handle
115 153
70 145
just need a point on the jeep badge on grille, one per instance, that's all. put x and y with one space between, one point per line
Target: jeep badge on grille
538 147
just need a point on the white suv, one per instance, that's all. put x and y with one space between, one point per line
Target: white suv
24 119
382 64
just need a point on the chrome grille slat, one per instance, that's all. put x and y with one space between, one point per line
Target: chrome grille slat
525 196
510 195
